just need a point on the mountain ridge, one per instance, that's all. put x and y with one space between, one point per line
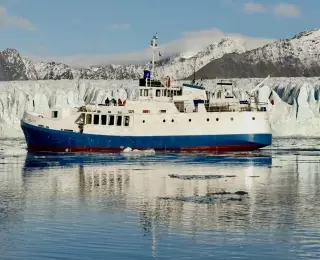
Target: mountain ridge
298 56
227 58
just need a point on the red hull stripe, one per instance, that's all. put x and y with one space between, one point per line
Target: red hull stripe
225 148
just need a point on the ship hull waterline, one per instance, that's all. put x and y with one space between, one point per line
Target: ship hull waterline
40 139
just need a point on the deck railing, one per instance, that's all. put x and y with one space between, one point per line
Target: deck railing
227 107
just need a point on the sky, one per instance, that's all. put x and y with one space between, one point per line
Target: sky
84 33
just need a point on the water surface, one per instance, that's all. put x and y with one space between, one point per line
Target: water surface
101 206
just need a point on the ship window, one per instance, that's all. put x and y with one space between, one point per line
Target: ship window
131 111
88 119
54 114
163 111
163 120
141 92
231 118
143 121
189 120
111 120
103 119
217 119
96 119
119 120
158 92
165 93
145 92
126 120
172 120
175 93
253 118
145 111
208 119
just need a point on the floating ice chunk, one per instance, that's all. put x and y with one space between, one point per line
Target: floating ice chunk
135 152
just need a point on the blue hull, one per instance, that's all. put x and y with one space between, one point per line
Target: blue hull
44 139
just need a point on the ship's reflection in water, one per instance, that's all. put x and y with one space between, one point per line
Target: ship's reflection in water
161 206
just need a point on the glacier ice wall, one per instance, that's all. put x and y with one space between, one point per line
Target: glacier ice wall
296 109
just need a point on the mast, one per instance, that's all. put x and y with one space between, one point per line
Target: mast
154 47
194 70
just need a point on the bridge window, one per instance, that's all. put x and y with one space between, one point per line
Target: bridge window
158 93
111 120
103 119
126 120
88 119
96 119
119 120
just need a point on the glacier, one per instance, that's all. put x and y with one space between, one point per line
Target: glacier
295 112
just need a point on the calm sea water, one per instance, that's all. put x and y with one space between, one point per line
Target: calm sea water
147 206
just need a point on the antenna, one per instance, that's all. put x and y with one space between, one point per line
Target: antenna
194 71
154 47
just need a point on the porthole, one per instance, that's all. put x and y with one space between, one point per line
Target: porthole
253 118
217 119
208 119
231 118
189 120
163 120
143 121
172 120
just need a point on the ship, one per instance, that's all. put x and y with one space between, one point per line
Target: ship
163 117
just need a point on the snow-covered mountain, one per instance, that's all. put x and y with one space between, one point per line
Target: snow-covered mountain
178 66
12 66
228 58
299 56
